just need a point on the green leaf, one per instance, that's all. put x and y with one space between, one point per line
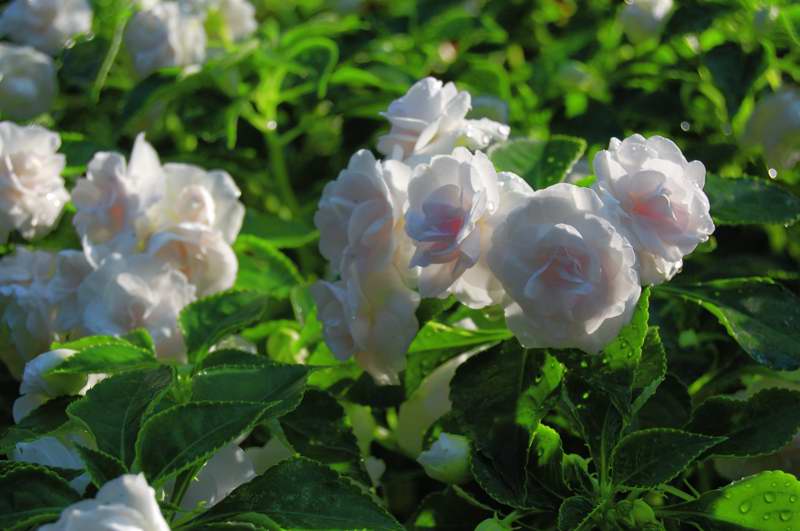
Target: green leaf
107 358
366 392
233 357
576 514
669 407
302 494
45 419
638 461
734 71
209 320
101 467
764 502
278 232
750 201
651 370
264 268
763 317
316 429
112 410
281 386
31 495
446 510
540 163
760 425
185 435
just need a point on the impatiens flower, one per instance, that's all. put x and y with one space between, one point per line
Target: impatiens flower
28 82
46 24
52 451
193 195
207 261
644 19
775 126
360 214
269 455
26 309
38 387
229 468
370 317
113 197
238 18
569 275
451 203
661 204
32 193
427 404
447 460
430 119
127 502
125 293
165 35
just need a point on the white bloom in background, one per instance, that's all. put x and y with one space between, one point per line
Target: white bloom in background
113 197
447 460
207 261
269 455
238 17
28 83
569 274
26 310
775 126
53 452
163 36
370 317
127 502
191 194
125 293
32 192
37 387
451 203
644 19
661 204
227 469
427 404
430 119
71 267
47 25
360 214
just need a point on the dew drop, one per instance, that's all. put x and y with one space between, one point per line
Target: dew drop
745 507
785 515
792 498
765 517
773 173
685 126
769 497
727 496
585 396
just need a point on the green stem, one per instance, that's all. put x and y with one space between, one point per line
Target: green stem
280 172
182 483
111 55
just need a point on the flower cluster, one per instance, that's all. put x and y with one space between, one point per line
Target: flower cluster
155 237
176 33
566 263
40 29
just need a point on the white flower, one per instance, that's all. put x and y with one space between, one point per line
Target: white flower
28 82
569 274
427 404
644 19
191 194
661 204
238 17
137 292
113 197
26 310
37 387
451 204
430 119
71 267
227 469
370 317
775 126
163 36
360 214
127 502
32 193
46 24
53 452
269 455
447 460
207 261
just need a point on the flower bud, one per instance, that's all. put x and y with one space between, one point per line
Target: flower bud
447 460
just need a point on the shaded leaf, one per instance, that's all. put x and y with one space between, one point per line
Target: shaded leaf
31 495
540 163
750 201
264 268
